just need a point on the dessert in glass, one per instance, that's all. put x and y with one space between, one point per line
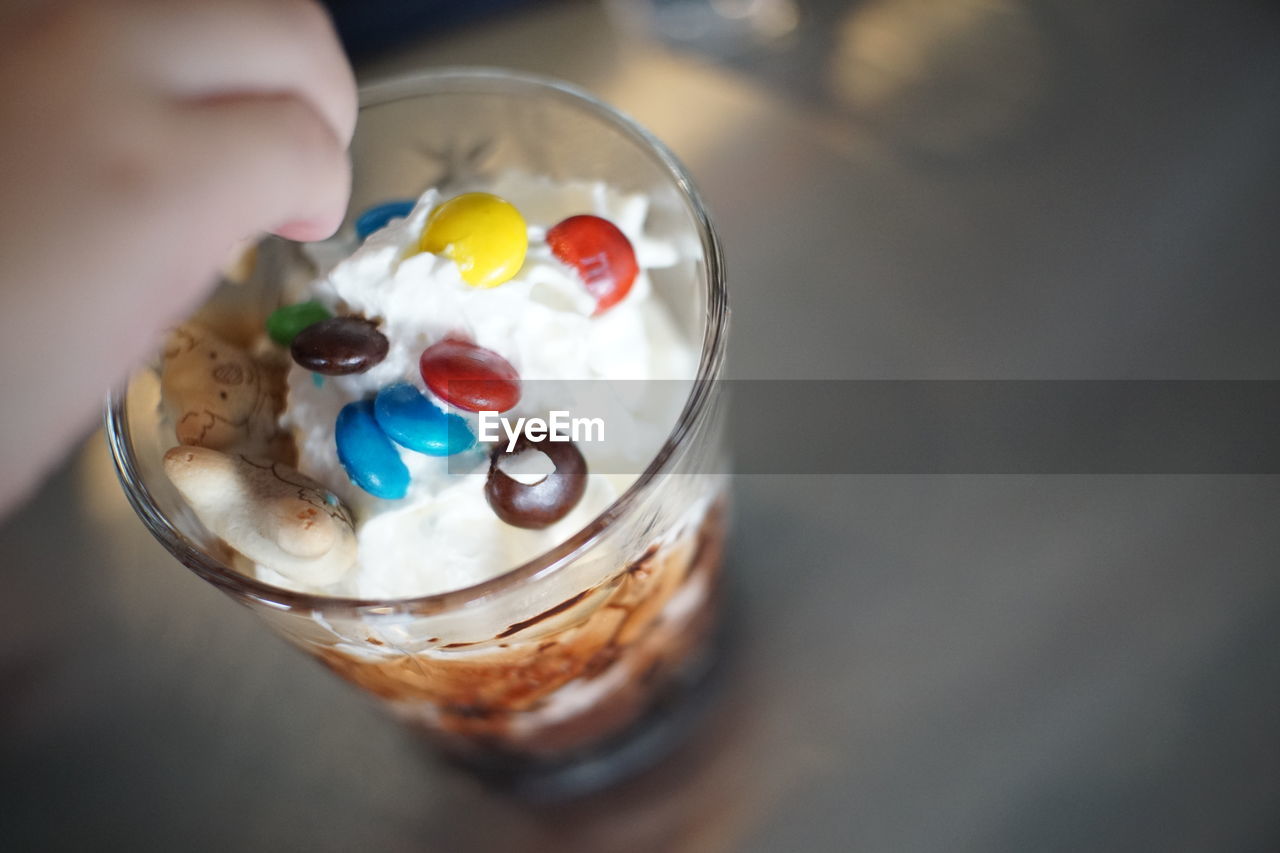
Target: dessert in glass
313 443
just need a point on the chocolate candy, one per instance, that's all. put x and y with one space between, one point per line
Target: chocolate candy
601 254
413 421
377 217
483 234
469 376
339 345
285 322
371 460
542 504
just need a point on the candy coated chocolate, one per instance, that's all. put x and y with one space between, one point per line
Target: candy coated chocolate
469 376
483 234
285 322
370 459
376 217
413 421
600 253
339 346
542 504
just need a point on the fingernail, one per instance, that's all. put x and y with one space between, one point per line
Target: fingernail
307 230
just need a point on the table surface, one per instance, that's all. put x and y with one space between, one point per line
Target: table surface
1006 189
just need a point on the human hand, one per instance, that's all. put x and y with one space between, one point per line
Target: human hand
139 141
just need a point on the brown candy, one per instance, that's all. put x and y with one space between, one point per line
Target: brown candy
339 346
541 504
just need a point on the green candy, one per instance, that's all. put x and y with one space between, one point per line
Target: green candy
285 322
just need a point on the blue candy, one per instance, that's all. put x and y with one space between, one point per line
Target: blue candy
413 421
379 215
371 460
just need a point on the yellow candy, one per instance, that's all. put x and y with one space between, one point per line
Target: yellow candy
483 234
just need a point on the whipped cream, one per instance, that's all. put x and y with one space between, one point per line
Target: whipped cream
443 534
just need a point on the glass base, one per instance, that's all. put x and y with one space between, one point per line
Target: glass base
678 713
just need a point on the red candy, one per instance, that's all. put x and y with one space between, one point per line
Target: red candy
469 376
600 253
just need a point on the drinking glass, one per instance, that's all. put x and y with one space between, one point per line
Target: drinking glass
565 661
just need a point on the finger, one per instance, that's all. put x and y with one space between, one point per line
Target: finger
248 165
197 49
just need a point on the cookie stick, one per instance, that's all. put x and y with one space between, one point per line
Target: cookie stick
269 512
216 393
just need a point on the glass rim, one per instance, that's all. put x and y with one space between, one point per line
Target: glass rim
420 84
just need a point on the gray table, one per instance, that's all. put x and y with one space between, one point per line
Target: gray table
1070 190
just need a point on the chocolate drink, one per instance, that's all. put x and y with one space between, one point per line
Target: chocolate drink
319 451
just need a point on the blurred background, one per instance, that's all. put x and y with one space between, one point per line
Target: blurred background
907 189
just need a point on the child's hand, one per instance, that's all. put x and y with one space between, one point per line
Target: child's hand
140 140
